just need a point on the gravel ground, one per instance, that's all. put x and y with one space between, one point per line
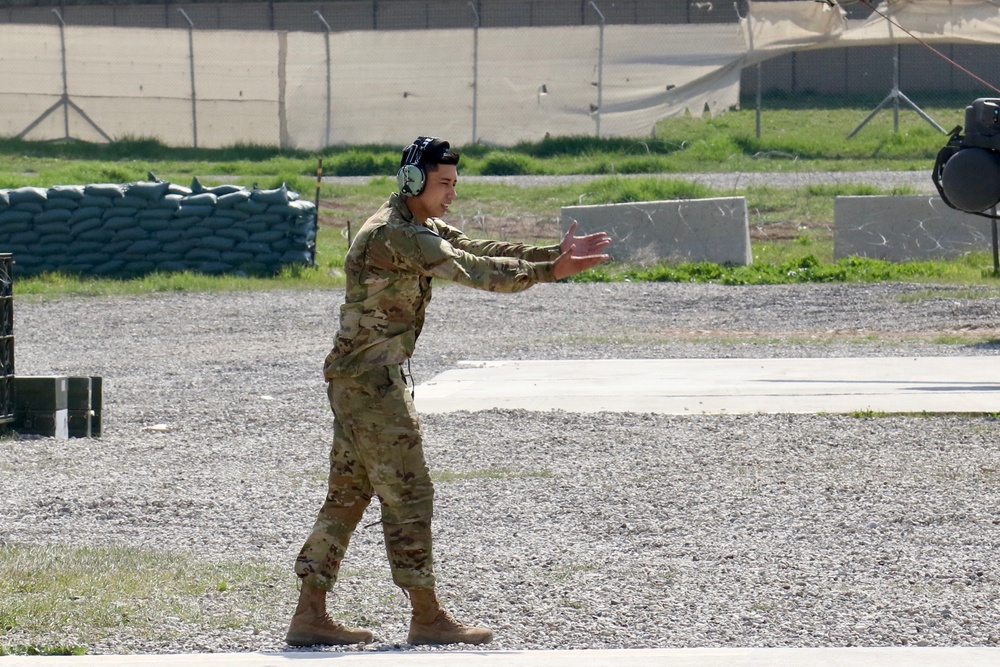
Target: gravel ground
558 530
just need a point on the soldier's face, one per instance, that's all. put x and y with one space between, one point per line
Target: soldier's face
438 193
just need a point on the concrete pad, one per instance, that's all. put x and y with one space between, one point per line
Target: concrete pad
687 230
684 657
903 228
720 386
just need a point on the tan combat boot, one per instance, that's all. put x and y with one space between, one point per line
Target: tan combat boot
430 624
311 624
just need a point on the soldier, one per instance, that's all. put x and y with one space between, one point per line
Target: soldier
377 446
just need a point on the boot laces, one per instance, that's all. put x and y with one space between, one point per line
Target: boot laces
445 618
332 623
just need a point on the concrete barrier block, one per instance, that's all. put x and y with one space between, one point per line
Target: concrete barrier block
901 228
40 406
78 399
688 230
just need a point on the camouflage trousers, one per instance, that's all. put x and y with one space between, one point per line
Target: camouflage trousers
377 448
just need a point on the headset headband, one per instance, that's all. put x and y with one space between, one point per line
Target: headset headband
416 153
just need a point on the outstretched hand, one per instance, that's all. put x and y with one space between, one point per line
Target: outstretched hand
580 253
591 244
569 263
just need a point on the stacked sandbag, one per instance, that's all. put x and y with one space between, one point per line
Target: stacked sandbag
138 228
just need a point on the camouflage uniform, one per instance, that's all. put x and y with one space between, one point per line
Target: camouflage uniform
377 444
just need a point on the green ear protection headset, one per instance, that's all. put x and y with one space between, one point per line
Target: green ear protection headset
411 176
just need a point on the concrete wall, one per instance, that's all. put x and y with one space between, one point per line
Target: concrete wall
138 228
691 230
905 228
867 70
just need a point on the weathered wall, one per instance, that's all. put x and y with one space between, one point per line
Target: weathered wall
687 230
902 228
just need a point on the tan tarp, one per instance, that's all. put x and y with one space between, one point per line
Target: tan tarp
772 29
934 21
270 88
778 27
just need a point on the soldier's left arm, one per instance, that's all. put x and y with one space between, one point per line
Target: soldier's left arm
422 250
490 248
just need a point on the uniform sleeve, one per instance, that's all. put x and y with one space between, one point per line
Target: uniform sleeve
487 248
432 255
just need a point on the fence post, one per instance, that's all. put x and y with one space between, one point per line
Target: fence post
284 141
329 73
194 97
475 68
65 80
749 20
319 184
996 245
600 70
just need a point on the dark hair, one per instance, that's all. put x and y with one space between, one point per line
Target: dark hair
439 152
445 156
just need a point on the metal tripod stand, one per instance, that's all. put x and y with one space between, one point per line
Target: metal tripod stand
64 101
893 98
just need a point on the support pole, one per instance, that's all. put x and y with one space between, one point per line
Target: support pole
895 89
65 79
758 67
329 74
475 68
194 97
319 183
996 247
600 69
758 105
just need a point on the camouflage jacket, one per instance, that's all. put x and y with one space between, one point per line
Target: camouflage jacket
389 268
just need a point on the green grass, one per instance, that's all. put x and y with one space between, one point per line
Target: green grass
55 284
331 246
774 261
878 414
792 227
34 649
801 133
72 596
928 294
804 269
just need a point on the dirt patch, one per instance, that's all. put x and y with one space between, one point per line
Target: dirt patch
789 231
545 228
523 228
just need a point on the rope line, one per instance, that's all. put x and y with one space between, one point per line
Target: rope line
870 5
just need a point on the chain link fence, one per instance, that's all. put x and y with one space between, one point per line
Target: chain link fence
349 72
344 15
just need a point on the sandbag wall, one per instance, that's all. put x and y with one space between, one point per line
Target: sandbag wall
138 228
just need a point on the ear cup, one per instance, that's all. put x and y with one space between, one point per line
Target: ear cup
411 176
410 179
